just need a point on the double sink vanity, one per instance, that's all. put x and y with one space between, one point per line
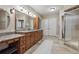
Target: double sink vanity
19 42
18 31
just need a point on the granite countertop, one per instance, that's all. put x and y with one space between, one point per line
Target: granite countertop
11 36
29 30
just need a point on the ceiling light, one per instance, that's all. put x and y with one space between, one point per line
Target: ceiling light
52 9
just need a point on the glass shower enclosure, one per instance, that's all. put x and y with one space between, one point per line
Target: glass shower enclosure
71 29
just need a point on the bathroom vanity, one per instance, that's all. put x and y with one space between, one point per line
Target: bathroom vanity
26 32
20 42
9 44
31 38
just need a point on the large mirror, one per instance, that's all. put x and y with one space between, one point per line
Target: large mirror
23 21
4 19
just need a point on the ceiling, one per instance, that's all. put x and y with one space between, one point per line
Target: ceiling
44 10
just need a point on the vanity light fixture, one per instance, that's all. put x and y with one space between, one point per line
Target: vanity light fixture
21 8
30 14
12 11
26 11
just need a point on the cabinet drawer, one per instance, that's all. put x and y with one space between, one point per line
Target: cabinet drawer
4 42
16 39
27 34
22 38
10 41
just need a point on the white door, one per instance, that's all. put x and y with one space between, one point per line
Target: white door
45 27
49 26
52 27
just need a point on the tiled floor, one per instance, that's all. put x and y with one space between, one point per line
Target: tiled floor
50 45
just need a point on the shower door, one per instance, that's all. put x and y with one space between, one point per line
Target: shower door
72 30
71 27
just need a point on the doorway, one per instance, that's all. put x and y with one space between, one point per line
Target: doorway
50 26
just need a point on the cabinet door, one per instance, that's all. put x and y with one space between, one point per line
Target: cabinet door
40 34
22 49
22 41
22 45
28 42
32 39
36 37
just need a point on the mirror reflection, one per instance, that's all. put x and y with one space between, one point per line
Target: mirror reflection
23 22
4 19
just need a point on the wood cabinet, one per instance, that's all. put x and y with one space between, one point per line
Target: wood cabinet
40 35
22 46
36 36
11 45
32 38
36 23
24 42
29 39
